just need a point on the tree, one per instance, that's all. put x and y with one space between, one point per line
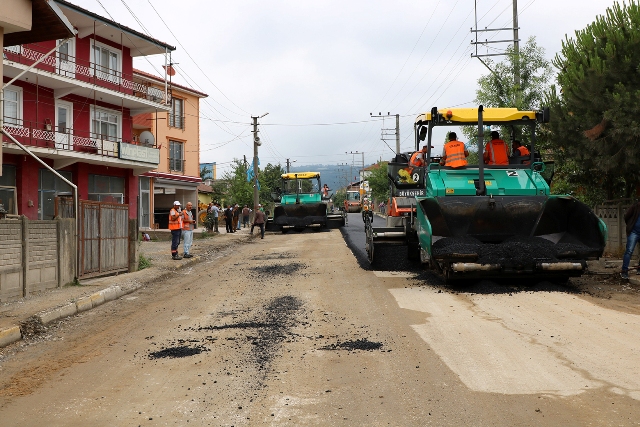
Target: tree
595 111
498 89
339 197
240 191
379 182
270 181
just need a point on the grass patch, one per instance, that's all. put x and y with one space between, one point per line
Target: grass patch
143 262
74 282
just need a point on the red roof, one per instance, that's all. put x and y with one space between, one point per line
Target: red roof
161 80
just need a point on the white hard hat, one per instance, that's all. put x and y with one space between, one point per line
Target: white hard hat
176 203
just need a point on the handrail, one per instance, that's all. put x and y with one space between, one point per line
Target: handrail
67 65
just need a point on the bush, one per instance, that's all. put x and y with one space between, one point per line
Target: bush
143 262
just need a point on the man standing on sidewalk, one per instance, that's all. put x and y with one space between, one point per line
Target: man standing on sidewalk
187 229
632 219
215 209
175 225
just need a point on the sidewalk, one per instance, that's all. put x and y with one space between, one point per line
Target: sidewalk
29 315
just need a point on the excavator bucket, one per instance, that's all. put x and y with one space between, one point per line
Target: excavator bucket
300 215
510 233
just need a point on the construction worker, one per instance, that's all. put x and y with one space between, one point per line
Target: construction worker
495 152
175 225
519 149
188 224
367 214
418 158
454 153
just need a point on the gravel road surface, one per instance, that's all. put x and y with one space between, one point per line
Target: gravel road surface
291 331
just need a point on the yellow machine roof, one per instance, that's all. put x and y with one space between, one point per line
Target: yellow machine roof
470 115
300 175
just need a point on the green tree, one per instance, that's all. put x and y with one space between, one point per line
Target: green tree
240 191
339 197
595 121
498 89
379 182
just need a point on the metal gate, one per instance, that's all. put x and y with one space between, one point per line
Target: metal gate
104 238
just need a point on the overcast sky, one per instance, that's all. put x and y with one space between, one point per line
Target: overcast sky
320 67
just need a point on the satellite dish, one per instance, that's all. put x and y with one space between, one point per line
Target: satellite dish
146 138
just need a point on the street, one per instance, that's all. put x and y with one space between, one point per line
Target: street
295 330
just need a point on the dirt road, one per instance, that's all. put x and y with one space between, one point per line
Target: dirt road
290 331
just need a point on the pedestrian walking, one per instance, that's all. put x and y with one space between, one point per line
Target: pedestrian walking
632 220
188 224
228 218
175 225
239 221
245 216
236 218
382 207
259 219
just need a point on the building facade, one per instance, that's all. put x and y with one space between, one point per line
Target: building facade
176 133
74 110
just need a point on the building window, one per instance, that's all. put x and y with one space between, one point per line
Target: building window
8 189
145 204
105 124
103 188
65 60
50 187
176 116
12 106
176 156
105 60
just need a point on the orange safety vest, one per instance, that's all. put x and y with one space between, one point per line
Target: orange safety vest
417 159
454 150
524 151
184 218
497 152
175 224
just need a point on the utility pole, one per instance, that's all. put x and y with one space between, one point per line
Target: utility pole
256 143
397 130
289 164
516 51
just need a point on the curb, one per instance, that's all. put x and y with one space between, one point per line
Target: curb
13 334
634 281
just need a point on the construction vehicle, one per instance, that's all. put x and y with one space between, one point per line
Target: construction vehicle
405 182
352 201
499 220
301 204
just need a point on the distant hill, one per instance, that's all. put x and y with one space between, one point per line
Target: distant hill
334 176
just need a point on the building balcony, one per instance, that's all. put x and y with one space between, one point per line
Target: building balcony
66 74
68 146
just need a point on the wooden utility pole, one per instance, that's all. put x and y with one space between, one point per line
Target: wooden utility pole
256 143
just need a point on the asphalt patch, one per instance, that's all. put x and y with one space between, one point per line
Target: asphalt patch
177 352
275 270
360 344
268 257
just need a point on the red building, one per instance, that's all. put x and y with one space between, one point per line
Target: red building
74 111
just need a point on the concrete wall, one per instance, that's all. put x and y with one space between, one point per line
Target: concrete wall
37 255
613 217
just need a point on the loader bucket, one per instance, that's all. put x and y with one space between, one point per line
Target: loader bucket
300 215
537 227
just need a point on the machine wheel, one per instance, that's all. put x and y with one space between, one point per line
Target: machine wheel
369 245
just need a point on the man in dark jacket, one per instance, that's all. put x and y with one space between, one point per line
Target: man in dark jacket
228 218
632 219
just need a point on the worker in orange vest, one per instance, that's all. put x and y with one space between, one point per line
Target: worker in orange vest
175 225
418 159
495 152
454 153
519 150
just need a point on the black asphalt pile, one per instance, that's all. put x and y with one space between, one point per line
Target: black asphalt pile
241 325
274 270
515 251
177 352
360 344
465 245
